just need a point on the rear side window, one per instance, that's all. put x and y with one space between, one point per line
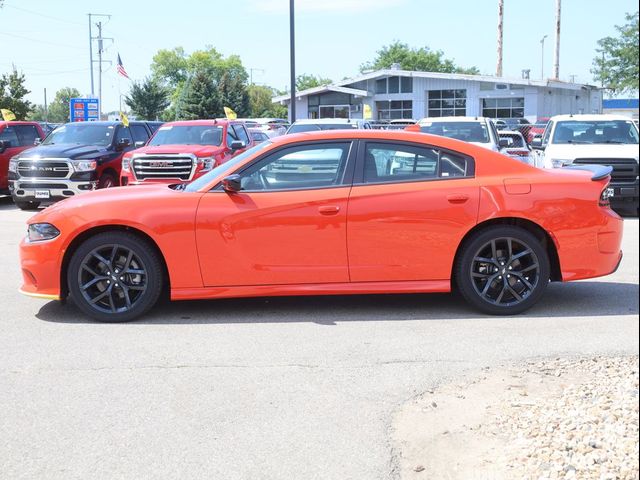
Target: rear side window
27 134
386 162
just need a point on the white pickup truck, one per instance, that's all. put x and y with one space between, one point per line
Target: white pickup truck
594 139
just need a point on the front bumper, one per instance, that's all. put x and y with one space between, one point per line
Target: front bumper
50 189
40 264
624 193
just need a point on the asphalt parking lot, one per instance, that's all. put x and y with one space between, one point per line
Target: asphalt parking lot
261 389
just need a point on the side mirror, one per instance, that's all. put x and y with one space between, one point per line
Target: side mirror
123 143
237 145
4 144
537 142
232 183
413 128
139 144
37 141
503 143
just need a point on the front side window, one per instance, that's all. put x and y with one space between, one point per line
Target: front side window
81 133
139 133
466 131
8 134
241 133
602 132
401 163
308 166
123 134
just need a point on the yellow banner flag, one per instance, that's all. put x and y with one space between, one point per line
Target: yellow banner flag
124 119
366 112
231 115
7 115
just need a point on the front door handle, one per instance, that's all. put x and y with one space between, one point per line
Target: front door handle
329 210
457 198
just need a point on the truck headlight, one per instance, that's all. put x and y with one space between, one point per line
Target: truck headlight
126 164
13 165
38 232
84 165
206 162
559 163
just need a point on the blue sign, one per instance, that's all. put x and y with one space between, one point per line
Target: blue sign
84 110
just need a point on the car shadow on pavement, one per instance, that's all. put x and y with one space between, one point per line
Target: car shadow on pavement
578 299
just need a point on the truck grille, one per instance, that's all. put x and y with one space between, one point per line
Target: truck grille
625 170
163 166
43 169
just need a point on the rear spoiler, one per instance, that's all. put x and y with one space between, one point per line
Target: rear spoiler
599 172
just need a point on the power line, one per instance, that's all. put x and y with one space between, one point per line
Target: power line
43 15
40 41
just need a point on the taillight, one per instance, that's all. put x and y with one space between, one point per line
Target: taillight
605 196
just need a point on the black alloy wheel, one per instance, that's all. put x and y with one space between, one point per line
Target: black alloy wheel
115 277
503 270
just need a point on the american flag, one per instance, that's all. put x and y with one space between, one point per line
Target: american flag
121 69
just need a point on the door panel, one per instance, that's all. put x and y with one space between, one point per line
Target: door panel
270 238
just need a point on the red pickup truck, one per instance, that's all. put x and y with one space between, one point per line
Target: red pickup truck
14 138
182 151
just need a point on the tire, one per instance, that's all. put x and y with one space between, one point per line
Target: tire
115 277
513 276
107 180
27 205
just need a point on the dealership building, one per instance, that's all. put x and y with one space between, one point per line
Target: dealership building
403 94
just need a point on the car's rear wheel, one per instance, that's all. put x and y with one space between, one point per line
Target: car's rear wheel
27 205
502 270
115 276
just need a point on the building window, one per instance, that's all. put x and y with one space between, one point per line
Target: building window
394 109
394 85
512 107
406 85
381 85
447 103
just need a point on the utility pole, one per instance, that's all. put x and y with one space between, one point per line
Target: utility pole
292 50
90 54
542 57
556 57
100 39
500 37
46 112
251 74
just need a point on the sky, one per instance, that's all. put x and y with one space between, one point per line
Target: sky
48 40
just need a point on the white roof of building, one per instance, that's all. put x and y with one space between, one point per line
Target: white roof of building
341 85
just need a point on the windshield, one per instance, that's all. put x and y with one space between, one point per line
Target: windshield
613 131
187 135
225 167
81 133
465 131
312 127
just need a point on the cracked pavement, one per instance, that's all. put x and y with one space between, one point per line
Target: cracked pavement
261 388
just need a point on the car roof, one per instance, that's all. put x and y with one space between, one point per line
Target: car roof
451 119
204 123
315 121
590 118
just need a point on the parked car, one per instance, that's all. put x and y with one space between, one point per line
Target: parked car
15 137
517 146
595 139
480 131
536 129
400 123
183 151
316 124
258 135
496 228
75 158
154 125
48 127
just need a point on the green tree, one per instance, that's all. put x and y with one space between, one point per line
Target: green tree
233 93
147 99
200 99
417 59
59 107
306 81
12 93
37 114
616 63
170 66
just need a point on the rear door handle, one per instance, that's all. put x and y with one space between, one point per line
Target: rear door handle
329 210
457 198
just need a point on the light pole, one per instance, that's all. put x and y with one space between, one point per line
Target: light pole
542 57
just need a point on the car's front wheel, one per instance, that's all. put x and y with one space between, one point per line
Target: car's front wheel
115 276
27 205
503 270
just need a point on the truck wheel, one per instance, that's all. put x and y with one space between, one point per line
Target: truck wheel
107 180
502 270
115 276
27 205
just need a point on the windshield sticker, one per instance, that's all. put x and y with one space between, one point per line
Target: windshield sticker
165 128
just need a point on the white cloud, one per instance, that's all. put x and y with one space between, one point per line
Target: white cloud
350 6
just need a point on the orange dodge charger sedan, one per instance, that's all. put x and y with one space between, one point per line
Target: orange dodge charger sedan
325 213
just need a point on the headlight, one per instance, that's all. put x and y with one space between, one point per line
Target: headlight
13 165
84 165
42 231
558 163
126 162
206 162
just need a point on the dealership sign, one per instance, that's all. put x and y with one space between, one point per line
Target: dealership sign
84 109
